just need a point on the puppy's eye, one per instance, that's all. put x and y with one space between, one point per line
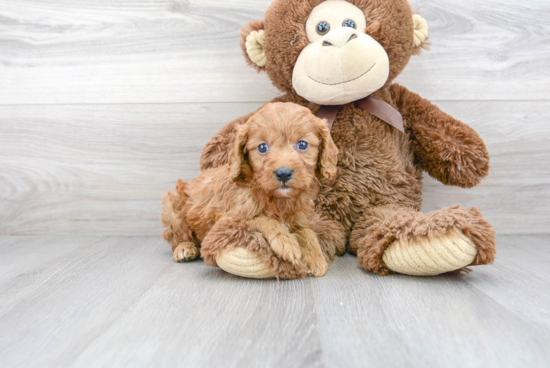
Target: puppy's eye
263 148
348 23
302 146
323 28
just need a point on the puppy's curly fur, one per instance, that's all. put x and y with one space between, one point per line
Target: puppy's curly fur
245 200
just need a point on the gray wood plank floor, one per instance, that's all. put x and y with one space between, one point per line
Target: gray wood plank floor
83 301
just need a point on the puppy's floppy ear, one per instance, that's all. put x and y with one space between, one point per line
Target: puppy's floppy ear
252 43
328 152
237 160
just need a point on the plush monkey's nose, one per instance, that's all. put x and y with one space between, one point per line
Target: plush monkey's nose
339 37
284 174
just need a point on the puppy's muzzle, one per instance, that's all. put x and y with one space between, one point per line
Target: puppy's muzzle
284 174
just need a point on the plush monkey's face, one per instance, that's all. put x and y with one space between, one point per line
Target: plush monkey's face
333 52
342 63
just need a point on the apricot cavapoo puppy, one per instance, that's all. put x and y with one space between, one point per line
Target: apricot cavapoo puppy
268 188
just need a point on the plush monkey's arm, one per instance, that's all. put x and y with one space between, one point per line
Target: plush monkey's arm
449 150
214 154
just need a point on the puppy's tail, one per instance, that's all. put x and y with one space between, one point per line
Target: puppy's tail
172 215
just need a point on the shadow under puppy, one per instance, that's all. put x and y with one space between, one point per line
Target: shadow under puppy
265 193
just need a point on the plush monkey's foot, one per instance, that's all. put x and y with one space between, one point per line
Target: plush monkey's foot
245 263
397 239
427 257
239 250
185 252
258 264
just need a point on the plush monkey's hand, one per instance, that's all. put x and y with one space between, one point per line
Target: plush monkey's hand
454 156
449 150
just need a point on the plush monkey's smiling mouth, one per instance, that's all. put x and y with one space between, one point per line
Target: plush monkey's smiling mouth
350 80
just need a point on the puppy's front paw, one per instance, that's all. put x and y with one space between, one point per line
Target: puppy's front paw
286 247
186 252
317 265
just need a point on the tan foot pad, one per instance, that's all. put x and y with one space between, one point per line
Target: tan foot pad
428 257
244 263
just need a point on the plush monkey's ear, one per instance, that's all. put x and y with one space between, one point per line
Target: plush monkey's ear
328 153
420 33
252 43
237 161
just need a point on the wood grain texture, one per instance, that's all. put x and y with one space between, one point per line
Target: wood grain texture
122 301
89 139
172 51
104 104
101 169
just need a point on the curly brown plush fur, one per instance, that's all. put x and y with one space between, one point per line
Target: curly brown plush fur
380 226
244 202
377 194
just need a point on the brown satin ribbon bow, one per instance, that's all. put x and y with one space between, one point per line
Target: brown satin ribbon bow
374 105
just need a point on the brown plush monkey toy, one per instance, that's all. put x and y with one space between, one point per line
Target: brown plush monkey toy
339 59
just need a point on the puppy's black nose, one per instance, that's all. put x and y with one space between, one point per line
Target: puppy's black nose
284 174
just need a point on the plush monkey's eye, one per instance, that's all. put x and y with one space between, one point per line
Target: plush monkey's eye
263 148
302 146
323 28
348 23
